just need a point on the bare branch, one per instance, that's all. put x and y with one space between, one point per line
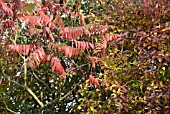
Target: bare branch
6 106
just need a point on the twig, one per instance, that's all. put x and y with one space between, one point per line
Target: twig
9 109
18 84
25 72
77 66
60 99
70 91
42 82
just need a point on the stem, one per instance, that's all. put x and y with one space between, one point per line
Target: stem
9 109
27 88
34 96
18 84
42 82
69 91
60 99
25 72
122 49
16 35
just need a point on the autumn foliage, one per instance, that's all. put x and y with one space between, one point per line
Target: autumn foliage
35 52
77 56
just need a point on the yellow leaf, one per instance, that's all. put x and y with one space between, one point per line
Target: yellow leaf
79 107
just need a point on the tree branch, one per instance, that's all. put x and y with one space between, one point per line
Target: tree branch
70 91
9 109
18 84
27 88
34 96
60 99
42 82
6 106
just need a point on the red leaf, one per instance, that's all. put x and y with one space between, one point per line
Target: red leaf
45 19
145 2
33 20
82 21
6 8
59 21
70 51
93 80
83 45
49 57
56 66
93 60
8 23
25 49
22 49
72 33
36 57
111 37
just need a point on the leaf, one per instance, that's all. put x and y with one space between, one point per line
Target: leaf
81 20
46 20
22 49
72 33
36 57
48 34
100 46
79 107
93 60
33 20
6 8
111 37
59 21
166 29
92 109
8 23
29 8
66 50
93 80
83 45
56 66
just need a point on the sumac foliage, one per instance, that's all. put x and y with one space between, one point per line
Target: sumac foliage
77 56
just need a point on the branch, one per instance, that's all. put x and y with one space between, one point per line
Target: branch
25 72
34 96
9 109
77 66
18 84
60 99
27 88
70 91
6 106
42 82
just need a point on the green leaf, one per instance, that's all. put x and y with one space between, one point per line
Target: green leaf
29 8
